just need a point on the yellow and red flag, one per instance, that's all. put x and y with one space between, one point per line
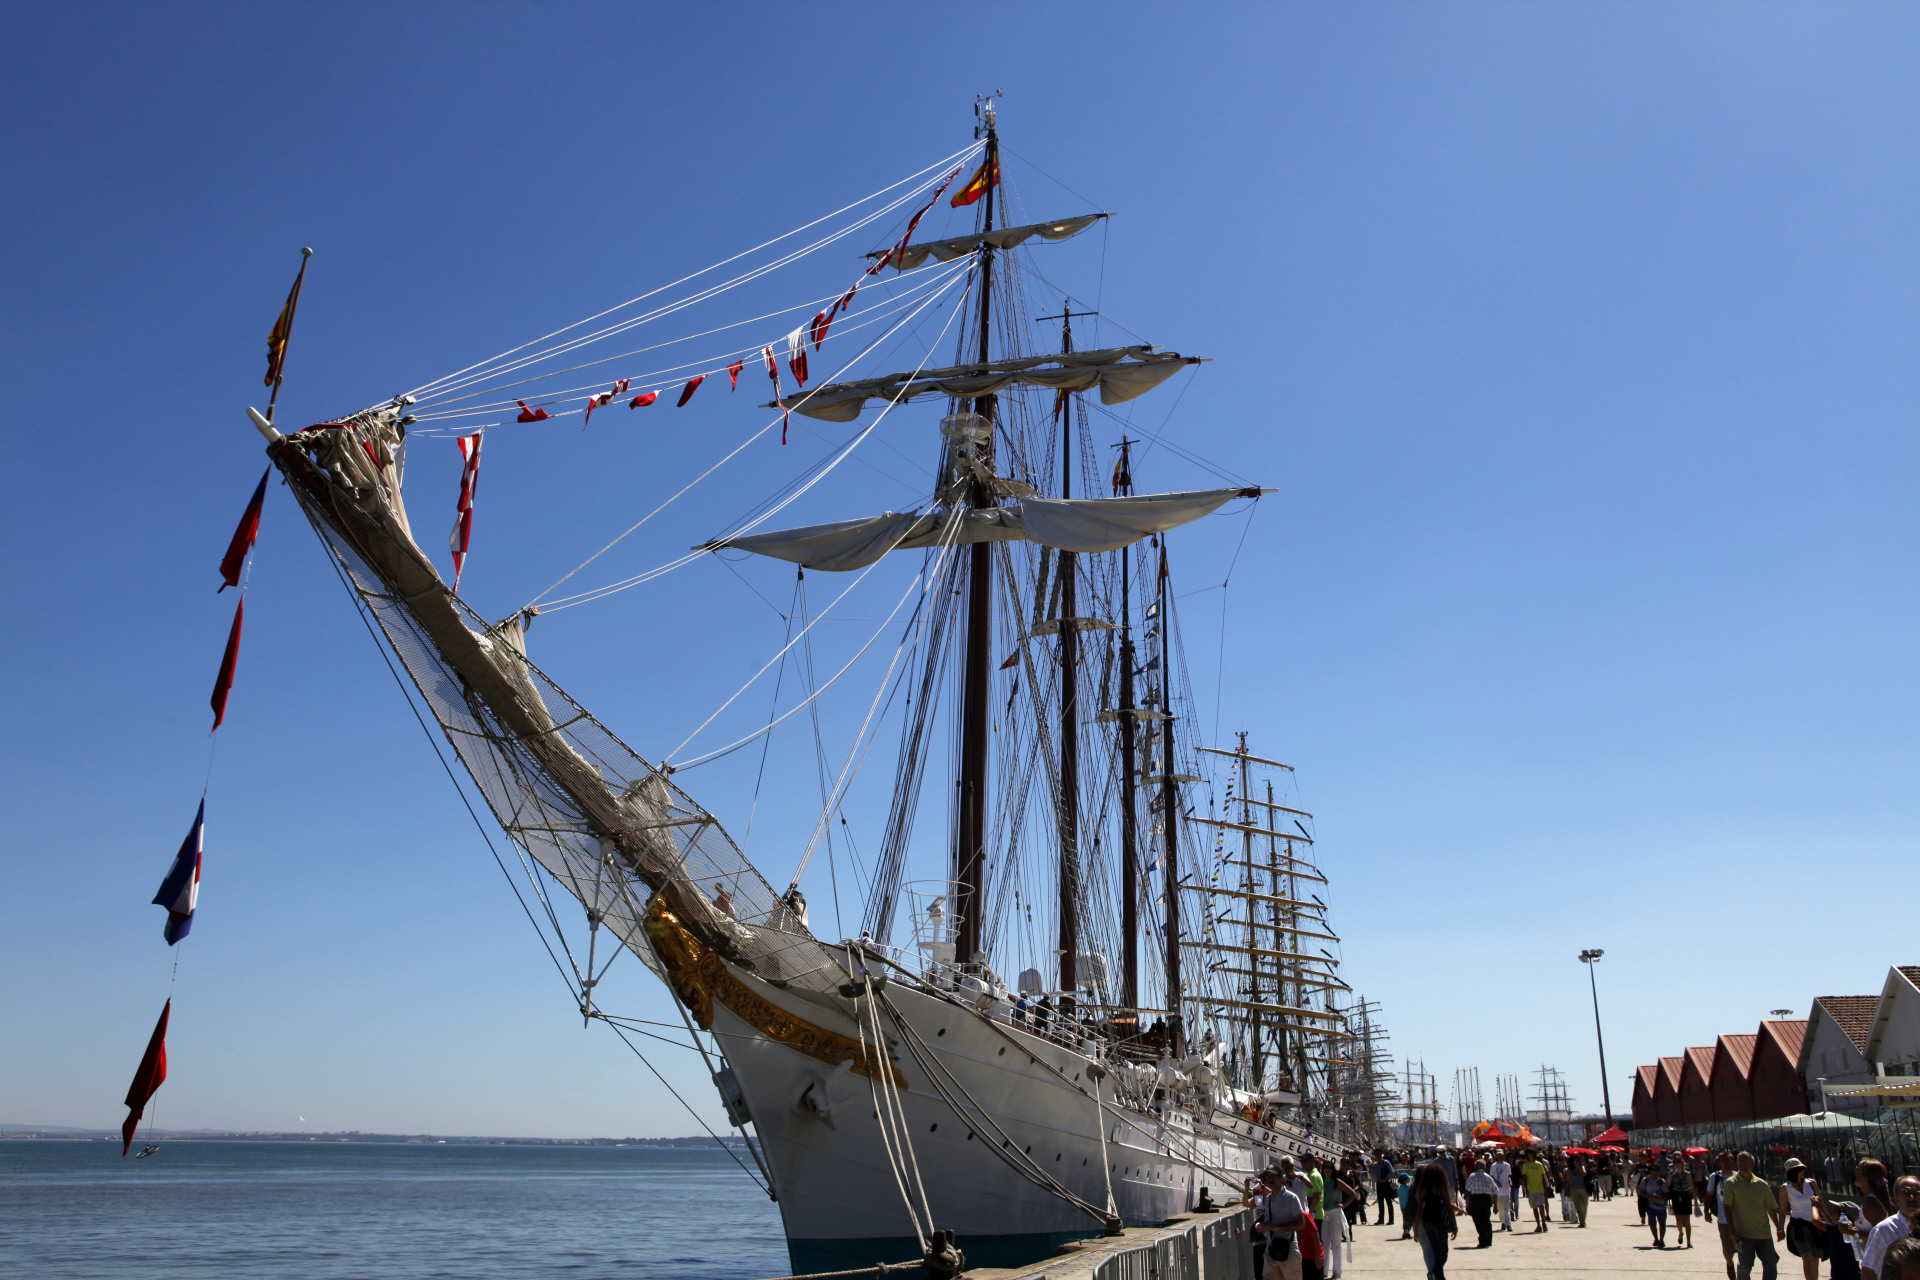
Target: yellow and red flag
987 175
283 328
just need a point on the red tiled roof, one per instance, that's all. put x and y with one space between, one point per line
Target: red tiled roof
1852 1014
1788 1033
1739 1050
1702 1059
1671 1068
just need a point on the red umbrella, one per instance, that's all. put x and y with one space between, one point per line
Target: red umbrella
1695 1151
1614 1135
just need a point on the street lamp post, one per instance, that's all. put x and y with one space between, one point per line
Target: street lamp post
1591 957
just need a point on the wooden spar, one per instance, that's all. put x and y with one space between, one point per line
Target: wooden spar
1258 897
1323 983
970 855
1241 755
1288 1010
1295 862
1287 929
1268 804
1129 851
1257 831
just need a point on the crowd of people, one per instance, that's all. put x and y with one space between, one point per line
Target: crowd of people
1306 1208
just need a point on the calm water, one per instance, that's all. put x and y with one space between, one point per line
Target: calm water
333 1211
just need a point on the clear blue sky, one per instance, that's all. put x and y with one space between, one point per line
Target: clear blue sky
1577 338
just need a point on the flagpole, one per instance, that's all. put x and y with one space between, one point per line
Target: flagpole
293 305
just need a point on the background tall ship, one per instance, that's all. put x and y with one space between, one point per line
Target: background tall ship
1175 1016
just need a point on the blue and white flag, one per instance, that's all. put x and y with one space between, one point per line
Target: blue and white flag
180 891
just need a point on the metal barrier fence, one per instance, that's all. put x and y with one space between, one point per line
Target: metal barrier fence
1889 1136
1217 1249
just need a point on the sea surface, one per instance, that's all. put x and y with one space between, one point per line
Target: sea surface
345 1210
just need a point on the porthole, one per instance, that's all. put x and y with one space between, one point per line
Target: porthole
1003 1051
969 1137
935 1125
1028 1151
942 1031
1083 1163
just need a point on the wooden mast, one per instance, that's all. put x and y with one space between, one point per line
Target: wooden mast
970 852
1069 807
1129 761
1169 826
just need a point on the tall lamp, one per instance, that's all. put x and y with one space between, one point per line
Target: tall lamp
1589 958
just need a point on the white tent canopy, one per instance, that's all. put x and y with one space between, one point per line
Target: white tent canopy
1066 524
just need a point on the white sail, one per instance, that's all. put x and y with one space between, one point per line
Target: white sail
1002 238
1065 524
1119 378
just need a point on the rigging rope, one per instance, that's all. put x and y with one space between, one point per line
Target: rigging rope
960 155
596 593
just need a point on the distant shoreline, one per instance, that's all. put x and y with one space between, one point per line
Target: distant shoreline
62 1133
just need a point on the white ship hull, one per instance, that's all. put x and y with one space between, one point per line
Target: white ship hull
840 1200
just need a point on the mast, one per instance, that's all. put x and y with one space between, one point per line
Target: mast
1069 809
970 854
1129 852
1170 827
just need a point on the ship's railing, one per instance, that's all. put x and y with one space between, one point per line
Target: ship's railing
1216 1248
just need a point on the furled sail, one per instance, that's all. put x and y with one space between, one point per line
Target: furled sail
1002 238
1066 524
1121 373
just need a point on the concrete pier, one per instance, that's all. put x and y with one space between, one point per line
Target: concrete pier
1199 1246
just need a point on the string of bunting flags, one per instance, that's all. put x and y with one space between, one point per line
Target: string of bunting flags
179 890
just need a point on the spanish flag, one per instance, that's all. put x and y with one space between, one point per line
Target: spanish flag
987 175
283 327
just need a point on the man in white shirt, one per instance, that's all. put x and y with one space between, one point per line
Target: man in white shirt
1893 1228
1503 1179
1280 1216
1481 1189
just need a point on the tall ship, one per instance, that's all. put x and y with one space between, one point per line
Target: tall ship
1111 981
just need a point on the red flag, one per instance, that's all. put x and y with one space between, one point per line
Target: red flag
1011 659
912 222
243 537
846 299
531 415
733 374
986 176
146 1080
223 684
797 354
605 398
773 371
463 520
818 329
692 386
283 328
642 400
